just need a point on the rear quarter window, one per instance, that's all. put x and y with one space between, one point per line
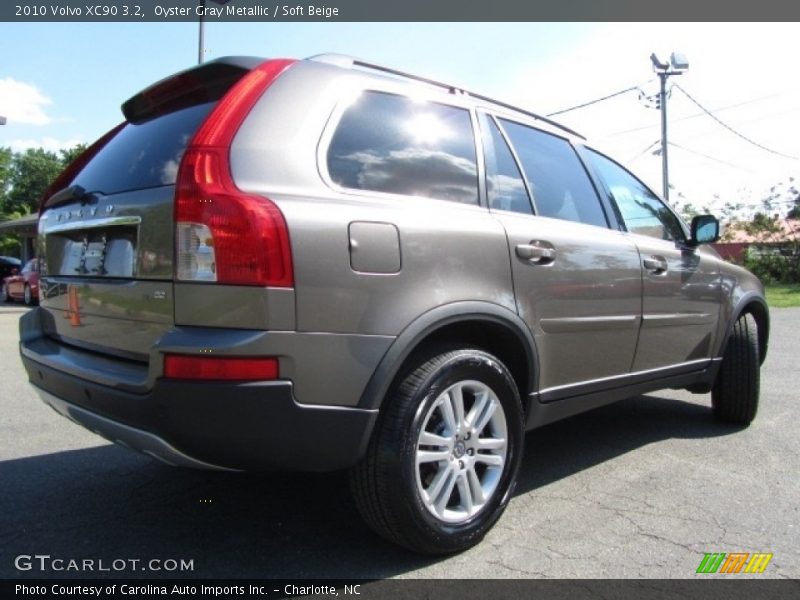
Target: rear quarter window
393 144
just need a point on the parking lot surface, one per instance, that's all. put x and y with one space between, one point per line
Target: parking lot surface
642 488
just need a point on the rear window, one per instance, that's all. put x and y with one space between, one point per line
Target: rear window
143 155
393 144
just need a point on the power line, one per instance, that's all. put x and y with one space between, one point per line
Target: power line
720 161
585 104
731 129
644 151
700 114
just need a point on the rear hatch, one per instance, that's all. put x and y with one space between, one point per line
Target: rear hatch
107 233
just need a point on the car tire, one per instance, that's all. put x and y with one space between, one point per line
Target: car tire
4 293
435 478
734 397
27 296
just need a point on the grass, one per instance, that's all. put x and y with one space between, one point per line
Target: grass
783 295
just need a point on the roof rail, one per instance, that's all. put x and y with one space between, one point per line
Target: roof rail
342 60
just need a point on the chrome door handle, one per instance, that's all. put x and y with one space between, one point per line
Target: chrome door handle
656 264
536 253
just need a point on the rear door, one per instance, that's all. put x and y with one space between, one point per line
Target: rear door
681 284
107 238
577 281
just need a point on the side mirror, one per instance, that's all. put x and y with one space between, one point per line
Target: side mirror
705 230
14 271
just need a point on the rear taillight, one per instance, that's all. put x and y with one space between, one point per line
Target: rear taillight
231 368
223 234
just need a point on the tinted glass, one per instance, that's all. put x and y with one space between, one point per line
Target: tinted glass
144 155
641 210
30 266
390 143
560 186
504 183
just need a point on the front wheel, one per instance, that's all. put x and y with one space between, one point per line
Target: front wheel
4 292
443 461
734 397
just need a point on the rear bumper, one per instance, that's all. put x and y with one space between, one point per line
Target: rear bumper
246 426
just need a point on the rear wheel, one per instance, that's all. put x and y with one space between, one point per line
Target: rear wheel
734 397
442 463
4 292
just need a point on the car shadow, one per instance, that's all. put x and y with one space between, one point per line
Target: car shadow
572 445
108 503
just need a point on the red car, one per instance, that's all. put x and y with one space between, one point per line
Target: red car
23 285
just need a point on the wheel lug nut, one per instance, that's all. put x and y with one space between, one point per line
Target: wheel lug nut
470 451
469 435
461 464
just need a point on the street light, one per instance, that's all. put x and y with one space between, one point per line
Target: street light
678 64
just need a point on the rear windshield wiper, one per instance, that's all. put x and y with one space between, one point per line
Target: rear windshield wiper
73 193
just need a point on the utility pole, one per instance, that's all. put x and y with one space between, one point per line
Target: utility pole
662 104
201 38
677 66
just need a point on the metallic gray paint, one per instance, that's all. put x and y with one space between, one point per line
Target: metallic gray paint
426 325
583 307
327 369
680 306
238 307
374 247
376 274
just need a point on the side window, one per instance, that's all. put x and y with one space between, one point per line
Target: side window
504 184
559 184
29 267
641 210
390 143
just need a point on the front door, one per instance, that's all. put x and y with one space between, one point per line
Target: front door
681 284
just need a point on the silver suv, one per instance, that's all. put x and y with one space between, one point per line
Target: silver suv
325 264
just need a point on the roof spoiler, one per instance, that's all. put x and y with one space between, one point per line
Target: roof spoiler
204 83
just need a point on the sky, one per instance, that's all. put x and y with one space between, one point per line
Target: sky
63 83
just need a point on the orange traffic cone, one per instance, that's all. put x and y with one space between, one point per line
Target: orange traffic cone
74 307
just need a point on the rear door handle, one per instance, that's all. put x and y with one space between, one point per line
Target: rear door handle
656 264
539 253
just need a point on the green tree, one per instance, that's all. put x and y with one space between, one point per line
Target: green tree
794 196
34 170
23 178
774 254
6 174
70 154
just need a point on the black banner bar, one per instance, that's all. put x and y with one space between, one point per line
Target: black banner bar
721 588
405 10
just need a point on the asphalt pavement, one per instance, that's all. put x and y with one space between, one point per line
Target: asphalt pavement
642 488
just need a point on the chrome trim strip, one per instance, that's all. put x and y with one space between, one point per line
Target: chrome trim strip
94 224
676 319
625 378
124 435
576 324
